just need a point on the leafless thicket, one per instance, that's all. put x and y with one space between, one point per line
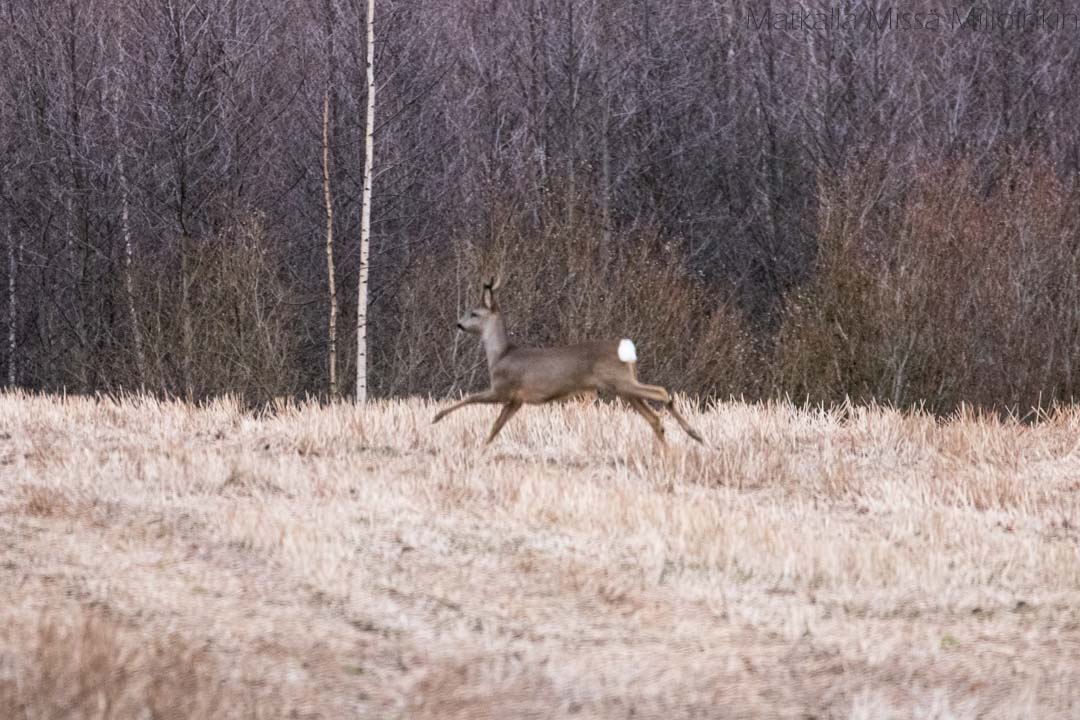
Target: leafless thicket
781 173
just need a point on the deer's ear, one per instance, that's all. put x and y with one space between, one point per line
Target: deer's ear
488 297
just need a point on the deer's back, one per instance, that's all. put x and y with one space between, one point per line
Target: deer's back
537 375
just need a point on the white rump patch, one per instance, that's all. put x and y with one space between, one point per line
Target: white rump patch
627 351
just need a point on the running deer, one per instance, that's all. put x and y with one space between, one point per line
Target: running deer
541 375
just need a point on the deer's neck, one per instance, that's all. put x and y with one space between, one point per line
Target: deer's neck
495 342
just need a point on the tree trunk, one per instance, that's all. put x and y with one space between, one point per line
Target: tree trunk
365 215
571 134
331 351
13 307
125 229
605 129
78 306
186 330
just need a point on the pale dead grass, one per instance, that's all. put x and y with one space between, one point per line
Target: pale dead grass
159 560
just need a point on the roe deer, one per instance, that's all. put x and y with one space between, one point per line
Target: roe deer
541 375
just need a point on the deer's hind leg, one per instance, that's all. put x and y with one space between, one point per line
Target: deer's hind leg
507 412
682 422
651 417
632 388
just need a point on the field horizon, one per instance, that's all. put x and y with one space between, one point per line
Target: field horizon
164 560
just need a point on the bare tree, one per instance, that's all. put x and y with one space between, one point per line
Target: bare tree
500 122
365 215
331 351
13 307
125 229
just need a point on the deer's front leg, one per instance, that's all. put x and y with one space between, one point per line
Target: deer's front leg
487 396
507 412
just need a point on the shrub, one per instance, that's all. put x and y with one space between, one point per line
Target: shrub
563 284
242 332
954 289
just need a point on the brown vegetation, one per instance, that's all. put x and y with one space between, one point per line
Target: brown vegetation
163 560
240 315
895 221
943 291
949 290
563 285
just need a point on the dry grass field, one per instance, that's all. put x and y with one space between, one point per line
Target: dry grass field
164 561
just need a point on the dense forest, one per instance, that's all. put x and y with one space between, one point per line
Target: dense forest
862 209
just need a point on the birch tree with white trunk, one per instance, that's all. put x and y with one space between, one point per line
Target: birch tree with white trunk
365 214
331 350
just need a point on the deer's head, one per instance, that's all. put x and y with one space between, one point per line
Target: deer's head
477 320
